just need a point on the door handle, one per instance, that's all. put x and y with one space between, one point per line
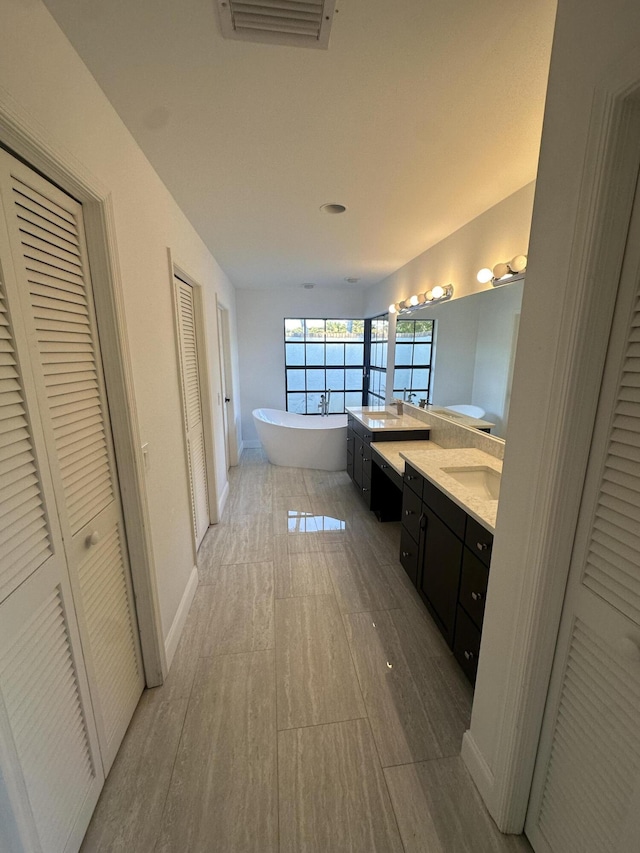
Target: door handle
227 399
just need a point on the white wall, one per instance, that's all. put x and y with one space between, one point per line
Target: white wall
42 74
496 235
261 316
595 45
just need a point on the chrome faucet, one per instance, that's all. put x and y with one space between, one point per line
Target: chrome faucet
325 400
410 396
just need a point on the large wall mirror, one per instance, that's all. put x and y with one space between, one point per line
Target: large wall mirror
475 341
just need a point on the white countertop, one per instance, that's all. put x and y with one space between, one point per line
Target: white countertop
391 451
430 462
393 422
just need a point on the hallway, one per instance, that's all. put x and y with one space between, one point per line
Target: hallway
311 705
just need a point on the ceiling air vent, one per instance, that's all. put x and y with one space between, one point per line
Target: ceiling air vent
304 23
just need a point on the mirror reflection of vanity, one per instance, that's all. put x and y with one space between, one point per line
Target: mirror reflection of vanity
474 350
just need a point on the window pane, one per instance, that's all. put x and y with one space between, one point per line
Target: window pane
295 380
420 380
404 329
403 353
383 383
402 379
315 353
294 354
336 403
354 354
314 330
335 380
313 404
422 354
295 403
315 380
354 379
353 398
424 330
293 330
335 354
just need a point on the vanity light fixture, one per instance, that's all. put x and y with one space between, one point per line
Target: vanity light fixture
503 272
438 294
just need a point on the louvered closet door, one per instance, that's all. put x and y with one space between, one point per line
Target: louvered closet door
192 403
586 794
48 741
47 239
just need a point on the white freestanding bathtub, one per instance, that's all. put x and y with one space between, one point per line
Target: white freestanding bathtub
303 441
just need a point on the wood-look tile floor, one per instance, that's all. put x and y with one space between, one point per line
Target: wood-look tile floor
312 705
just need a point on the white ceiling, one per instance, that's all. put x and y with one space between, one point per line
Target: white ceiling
420 115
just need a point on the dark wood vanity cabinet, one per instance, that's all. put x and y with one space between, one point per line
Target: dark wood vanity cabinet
446 553
379 485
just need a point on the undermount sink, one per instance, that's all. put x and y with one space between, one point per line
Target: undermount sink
381 416
482 481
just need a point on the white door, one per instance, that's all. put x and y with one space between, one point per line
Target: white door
224 383
48 740
192 407
586 791
54 341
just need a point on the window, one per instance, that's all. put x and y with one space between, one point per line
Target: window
413 358
378 361
323 355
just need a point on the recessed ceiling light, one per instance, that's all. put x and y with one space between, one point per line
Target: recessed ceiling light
352 280
333 208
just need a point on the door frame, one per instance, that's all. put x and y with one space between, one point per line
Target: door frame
586 301
176 269
26 139
224 343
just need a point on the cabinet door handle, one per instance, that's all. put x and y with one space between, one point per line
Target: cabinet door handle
423 521
384 466
406 553
364 459
365 489
469 656
482 546
410 477
409 512
477 596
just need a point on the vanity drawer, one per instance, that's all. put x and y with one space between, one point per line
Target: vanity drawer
366 462
386 468
466 645
479 540
453 516
413 479
473 586
409 555
411 510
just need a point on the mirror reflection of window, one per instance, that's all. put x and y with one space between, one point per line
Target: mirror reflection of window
413 359
378 361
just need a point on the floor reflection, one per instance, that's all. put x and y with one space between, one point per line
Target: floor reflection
308 522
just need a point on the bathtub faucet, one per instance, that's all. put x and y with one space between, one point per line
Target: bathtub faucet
325 399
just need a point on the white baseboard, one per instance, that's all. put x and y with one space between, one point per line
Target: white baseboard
251 444
480 771
175 632
223 500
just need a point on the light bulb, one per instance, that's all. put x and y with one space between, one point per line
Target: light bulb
484 275
429 296
518 264
413 300
401 305
393 309
438 292
422 298
500 270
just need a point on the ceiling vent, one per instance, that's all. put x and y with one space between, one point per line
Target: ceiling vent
302 23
